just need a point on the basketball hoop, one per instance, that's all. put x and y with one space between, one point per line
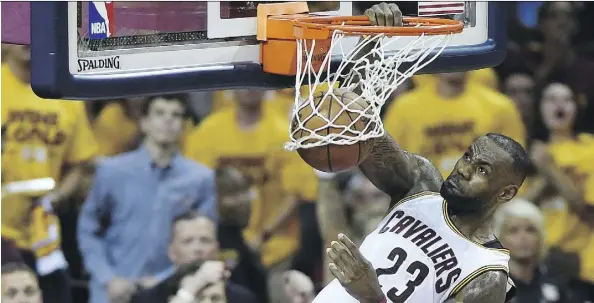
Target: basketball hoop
303 45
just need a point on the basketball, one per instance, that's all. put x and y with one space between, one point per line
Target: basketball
333 157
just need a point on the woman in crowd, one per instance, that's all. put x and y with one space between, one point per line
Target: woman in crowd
565 162
519 225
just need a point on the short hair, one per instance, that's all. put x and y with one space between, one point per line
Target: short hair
13 267
520 208
181 98
521 161
189 216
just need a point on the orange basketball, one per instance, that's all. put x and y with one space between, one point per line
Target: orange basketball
333 157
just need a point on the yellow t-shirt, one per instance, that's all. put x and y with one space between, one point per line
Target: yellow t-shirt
277 175
486 77
115 131
280 101
442 130
563 228
41 137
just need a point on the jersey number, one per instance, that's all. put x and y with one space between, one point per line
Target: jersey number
417 269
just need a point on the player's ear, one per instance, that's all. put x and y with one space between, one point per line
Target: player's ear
507 193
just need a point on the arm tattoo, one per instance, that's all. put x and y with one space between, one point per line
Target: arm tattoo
489 287
398 172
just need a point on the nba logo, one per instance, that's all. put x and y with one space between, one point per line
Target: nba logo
101 19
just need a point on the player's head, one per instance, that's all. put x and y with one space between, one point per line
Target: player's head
193 238
19 284
489 173
234 195
558 107
249 99
163 117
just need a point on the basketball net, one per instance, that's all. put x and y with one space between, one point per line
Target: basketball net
375 75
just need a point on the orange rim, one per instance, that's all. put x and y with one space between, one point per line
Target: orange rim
360 25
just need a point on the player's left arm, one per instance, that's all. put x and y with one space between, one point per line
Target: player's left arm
489 287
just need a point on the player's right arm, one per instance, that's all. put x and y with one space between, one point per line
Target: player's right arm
398 172
390 168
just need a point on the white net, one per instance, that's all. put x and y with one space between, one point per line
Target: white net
374 76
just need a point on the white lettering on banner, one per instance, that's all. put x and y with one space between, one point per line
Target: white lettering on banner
98 28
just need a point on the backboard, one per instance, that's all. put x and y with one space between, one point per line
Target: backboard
100 50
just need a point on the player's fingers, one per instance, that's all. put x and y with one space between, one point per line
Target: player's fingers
370 13
337 273
351 247
339 262
388 16
397 13
350 264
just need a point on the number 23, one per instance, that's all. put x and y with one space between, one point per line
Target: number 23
400 255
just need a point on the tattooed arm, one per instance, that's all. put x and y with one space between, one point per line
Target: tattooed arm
398 172
489 287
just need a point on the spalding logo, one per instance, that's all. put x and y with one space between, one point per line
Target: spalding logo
100 63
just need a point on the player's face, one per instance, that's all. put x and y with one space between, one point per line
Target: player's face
479 180
521 237
558 107
193 240
164 121
20 287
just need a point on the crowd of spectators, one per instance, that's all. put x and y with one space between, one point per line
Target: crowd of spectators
192 198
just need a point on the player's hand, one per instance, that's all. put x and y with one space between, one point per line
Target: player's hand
353 271
384 14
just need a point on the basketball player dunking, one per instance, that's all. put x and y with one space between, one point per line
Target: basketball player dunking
435 243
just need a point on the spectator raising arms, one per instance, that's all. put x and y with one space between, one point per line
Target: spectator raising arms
124 226
42 139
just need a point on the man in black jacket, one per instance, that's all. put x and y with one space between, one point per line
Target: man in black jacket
193 250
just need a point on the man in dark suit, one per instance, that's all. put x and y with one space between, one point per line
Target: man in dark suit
196 275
